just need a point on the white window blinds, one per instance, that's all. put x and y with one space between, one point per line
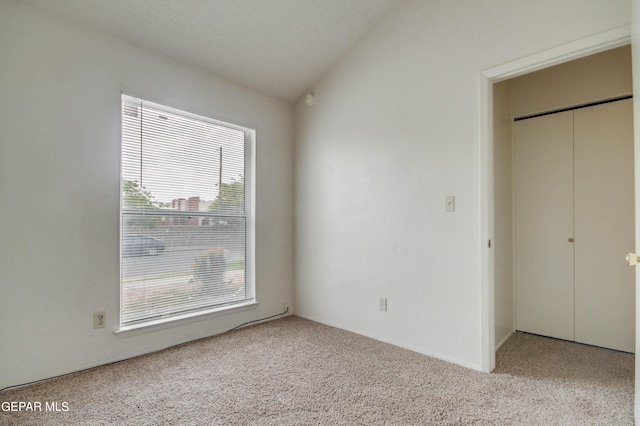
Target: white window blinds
184 214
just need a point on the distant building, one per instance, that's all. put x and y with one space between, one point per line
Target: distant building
191 204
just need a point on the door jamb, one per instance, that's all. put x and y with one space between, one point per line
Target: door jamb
597 43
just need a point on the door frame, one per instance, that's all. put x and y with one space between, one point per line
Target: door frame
597 43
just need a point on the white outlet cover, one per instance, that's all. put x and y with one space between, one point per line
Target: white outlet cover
99 319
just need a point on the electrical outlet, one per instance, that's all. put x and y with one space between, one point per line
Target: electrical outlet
99 319
383 304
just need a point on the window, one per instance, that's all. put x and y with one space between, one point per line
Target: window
186 221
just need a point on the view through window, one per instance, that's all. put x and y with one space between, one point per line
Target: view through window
184 213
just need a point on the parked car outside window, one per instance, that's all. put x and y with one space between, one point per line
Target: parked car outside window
141 245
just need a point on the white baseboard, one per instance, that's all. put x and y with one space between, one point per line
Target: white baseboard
503 341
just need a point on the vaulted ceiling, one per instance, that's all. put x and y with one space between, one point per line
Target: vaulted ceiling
279 47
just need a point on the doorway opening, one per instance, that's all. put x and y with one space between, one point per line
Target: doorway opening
497 323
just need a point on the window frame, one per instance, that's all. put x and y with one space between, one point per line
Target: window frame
171 320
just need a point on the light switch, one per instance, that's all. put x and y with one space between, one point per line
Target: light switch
383 304
449 203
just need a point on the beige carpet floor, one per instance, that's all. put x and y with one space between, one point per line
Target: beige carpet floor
297 372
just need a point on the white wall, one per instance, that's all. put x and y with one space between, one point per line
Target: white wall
60 88
395 128
503 211
635 57
594 78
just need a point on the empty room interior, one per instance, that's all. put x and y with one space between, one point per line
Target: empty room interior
444 188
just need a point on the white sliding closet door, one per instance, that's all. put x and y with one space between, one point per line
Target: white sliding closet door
574 222
604 225
543 225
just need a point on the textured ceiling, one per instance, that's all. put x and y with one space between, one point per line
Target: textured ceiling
279 47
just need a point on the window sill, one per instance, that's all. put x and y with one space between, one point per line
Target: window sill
151 326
